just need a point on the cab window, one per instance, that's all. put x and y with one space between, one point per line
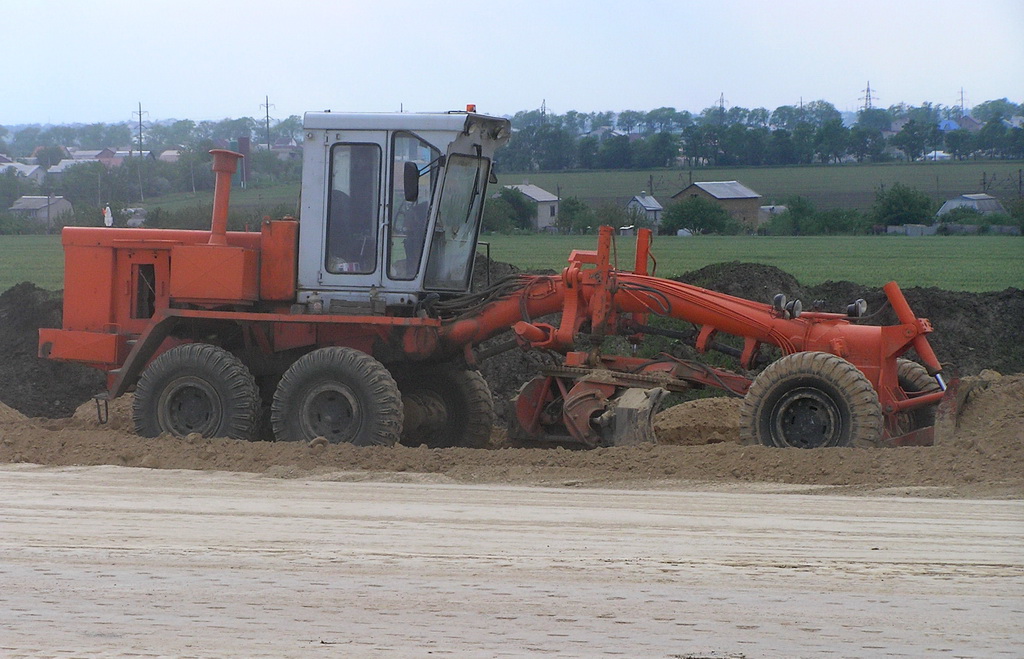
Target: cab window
354 198
408 226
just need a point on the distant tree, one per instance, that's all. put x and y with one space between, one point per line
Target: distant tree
787 117
912 139
780 148
498 216
289 128
926 113
575 122
992 136
796 220
48 156
586 150
737 115
574 216
523 208
662 120
901 204
698 215
874 119
759 118
831 140
995 110
657 150
1014 143
12 186
959 143
629 119
818 113
554 148
615 153
601 120
803 143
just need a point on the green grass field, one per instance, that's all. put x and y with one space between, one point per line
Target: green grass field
976 263
849 186
838 186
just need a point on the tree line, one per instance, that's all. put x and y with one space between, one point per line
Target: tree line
736 136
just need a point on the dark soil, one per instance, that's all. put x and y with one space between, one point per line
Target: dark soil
973 331
34 386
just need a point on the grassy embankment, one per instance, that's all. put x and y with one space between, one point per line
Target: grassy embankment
977 263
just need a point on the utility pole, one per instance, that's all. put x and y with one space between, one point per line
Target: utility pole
867 98
963 112
721 109
142 196
267 107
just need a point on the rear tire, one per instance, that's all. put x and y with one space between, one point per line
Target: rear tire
811 400
196 388
342 394
913 378
466 399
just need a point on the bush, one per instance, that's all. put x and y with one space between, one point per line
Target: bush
698 215
902 204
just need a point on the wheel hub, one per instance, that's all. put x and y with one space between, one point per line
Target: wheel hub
806 418
191 406
331 410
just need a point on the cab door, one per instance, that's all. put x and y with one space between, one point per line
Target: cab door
348 205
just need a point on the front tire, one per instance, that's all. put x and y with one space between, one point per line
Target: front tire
811 400
196 388
342 394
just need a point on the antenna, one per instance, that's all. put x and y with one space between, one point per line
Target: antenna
963 110
267 107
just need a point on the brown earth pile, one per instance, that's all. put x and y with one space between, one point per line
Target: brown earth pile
982 460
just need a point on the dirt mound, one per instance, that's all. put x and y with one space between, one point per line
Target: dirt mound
33 386
697 422
973 331
10 415
982 460
992 408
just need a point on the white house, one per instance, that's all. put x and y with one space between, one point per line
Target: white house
547 205
647 206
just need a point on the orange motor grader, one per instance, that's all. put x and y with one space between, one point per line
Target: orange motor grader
356 322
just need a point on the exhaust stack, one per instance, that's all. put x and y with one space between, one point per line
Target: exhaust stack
225 163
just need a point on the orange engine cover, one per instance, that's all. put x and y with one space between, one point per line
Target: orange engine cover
214 274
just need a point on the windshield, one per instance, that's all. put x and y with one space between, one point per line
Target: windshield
453 243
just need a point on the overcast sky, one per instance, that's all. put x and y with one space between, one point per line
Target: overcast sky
70 61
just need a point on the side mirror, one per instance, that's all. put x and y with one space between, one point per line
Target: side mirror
411 181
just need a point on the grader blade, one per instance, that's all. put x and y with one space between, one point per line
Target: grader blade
631 420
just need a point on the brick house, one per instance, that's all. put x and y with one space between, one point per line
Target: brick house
738 200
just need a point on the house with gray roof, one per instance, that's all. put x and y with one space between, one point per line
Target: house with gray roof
742 203
983 203
35 173
44 210
547 205
647 206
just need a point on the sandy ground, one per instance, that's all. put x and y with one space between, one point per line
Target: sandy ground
115 561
